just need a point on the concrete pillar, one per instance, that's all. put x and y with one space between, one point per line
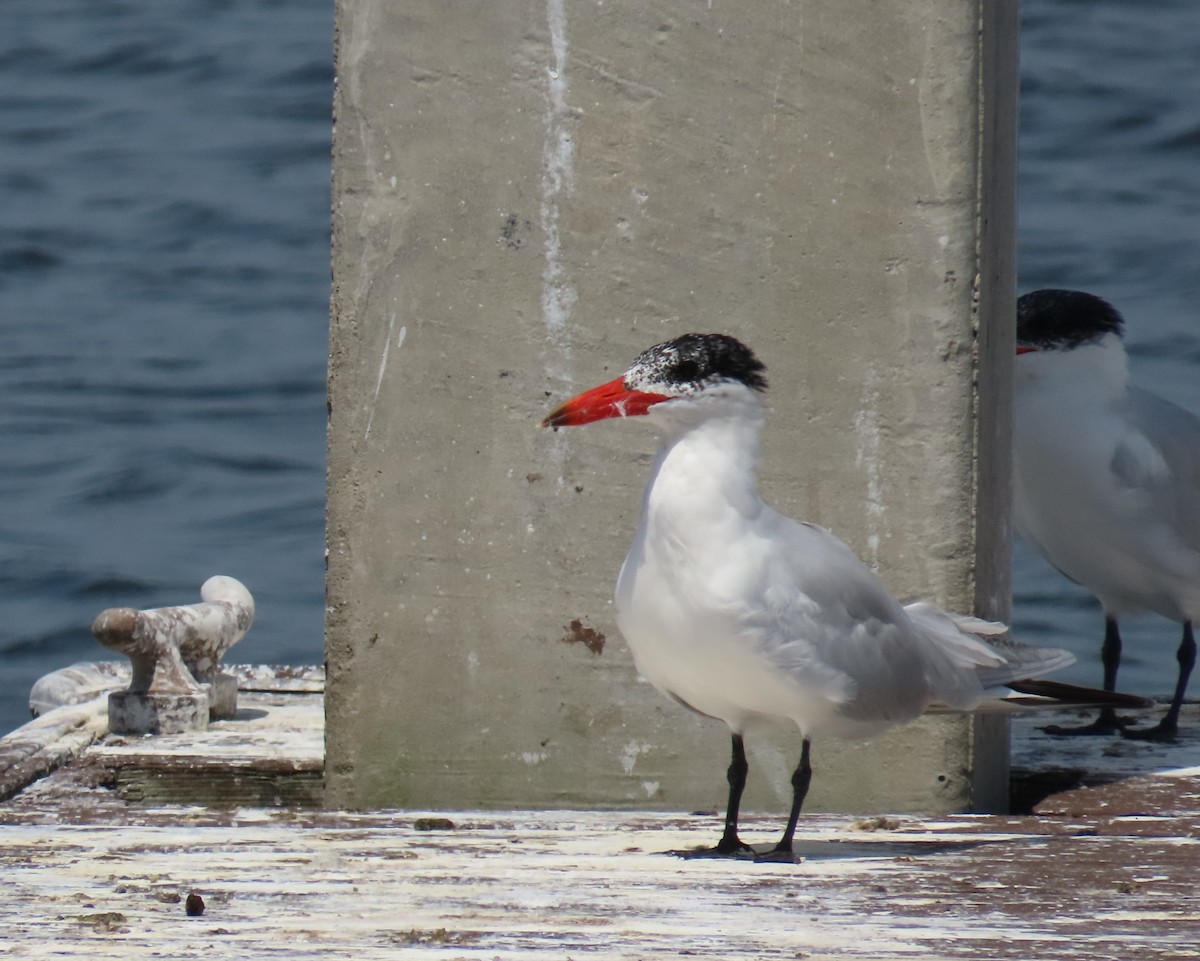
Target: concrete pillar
528 194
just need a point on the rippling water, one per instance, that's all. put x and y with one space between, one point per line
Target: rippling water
164 171
164 282
1110 202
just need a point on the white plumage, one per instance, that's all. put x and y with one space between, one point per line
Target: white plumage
741 613
1107 476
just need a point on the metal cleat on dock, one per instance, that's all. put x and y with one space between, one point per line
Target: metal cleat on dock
176 656
229 616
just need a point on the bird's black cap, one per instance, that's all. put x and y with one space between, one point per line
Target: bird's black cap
697 358
1061 319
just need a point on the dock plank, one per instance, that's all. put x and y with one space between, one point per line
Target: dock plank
593 884
1104 871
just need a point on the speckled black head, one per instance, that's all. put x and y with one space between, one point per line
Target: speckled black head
1063 319
692 361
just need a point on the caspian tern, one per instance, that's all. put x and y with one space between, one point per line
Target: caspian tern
1107 479
742 614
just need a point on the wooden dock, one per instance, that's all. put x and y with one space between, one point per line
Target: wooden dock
99 859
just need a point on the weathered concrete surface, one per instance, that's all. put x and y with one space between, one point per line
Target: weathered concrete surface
91 871
48 742
528 194
594 885
271 751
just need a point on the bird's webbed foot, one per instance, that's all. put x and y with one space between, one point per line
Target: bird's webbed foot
1095 729
1105 725
727 847
1164 731
778 855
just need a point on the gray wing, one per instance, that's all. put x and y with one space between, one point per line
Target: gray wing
832 618
1161 459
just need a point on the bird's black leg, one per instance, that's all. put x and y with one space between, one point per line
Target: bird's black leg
801 779
1166 729
730 845
1110 656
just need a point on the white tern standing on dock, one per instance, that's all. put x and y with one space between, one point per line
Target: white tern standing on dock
1107 479
740 613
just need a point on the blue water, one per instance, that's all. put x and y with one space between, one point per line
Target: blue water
164 282
1110 202
164 287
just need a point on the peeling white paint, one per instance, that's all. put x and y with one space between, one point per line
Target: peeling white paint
558 171
93 876
387 343
867 457
631 752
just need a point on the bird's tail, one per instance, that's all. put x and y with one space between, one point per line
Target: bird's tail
1060 694
1025 696
995 660
978 655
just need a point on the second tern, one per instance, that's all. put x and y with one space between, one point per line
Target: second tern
1106 480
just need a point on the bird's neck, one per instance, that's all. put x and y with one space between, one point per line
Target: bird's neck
1096 375
705 472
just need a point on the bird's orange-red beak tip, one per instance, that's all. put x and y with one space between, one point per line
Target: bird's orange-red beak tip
612 399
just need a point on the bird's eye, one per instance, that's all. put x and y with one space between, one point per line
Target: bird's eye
687 370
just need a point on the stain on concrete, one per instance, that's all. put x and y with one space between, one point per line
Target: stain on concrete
578 633
514 232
